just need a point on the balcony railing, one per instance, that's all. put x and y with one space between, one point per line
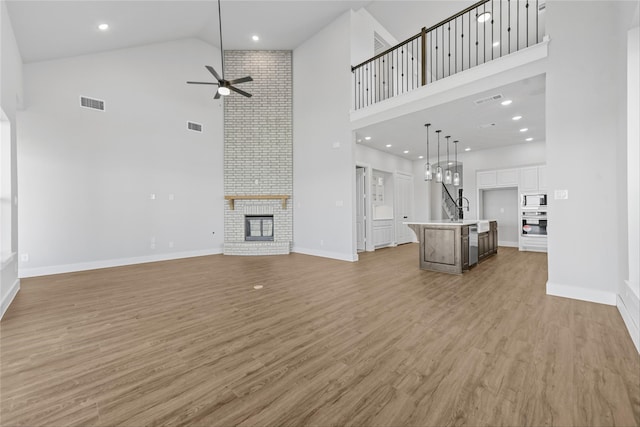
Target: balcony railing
480 33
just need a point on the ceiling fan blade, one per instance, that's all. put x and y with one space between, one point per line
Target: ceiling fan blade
241 80
217 96
212 71
241 92
204 83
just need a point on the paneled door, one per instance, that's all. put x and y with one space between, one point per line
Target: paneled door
360 210
404 208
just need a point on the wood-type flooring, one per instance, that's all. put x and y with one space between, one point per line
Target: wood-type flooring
324 343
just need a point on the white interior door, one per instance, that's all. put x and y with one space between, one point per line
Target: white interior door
360 210
404 208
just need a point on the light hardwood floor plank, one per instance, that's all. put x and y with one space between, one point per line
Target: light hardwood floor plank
373 343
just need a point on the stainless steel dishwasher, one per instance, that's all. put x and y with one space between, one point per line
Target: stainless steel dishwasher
473 245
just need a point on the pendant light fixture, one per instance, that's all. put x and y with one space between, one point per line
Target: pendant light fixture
456 175
447 174
438 168
428 173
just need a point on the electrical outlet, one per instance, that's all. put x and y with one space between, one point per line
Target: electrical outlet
321 242
561 194
170 244
152 245
24 257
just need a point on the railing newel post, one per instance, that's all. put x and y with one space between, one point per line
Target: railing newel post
423 60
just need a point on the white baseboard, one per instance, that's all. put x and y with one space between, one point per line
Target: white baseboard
633 329
93 265
507 244
574 292
629 308
6 301
326 254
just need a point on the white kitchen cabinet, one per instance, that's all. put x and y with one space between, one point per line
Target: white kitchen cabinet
507 177
542 178
382 232
486 179
533 244
528 179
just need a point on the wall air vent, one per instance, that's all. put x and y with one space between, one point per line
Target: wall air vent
196 127
542 6
488 99
94 104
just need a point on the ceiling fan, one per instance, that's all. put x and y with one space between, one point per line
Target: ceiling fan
224 86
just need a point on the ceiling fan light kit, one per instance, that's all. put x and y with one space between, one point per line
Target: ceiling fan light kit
224 86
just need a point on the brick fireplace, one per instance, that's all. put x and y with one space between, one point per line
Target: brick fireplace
258 151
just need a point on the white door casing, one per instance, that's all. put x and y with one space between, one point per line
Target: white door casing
360 209
403 207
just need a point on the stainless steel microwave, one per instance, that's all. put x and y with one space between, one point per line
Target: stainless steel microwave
533 200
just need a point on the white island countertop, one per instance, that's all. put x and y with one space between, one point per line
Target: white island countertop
447 222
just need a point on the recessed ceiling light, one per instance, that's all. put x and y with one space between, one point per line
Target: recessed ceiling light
421 157
516 117
524 129
529 139
368 138
359 140
467 149
484 17
406 151
506 102
255 38
103 27
496 44
388 145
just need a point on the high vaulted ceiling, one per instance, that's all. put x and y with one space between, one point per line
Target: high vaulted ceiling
51 29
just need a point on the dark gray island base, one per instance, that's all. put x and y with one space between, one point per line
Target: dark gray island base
455 246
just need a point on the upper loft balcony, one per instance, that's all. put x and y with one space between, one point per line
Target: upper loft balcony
455 51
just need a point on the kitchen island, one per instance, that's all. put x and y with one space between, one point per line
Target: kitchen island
455 246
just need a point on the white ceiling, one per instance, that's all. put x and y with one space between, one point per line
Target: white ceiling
467 122
50 29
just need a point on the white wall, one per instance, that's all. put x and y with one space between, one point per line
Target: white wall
496 158
86 177
323 146
382 161
586 129
428 194
502 205
376 160
629 294
10 100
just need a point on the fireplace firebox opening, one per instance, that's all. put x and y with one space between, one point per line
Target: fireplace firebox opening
258 228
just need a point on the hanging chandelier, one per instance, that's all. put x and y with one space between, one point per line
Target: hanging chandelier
456 175
447 173
428 173
438 168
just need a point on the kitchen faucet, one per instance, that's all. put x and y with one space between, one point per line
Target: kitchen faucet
461 205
